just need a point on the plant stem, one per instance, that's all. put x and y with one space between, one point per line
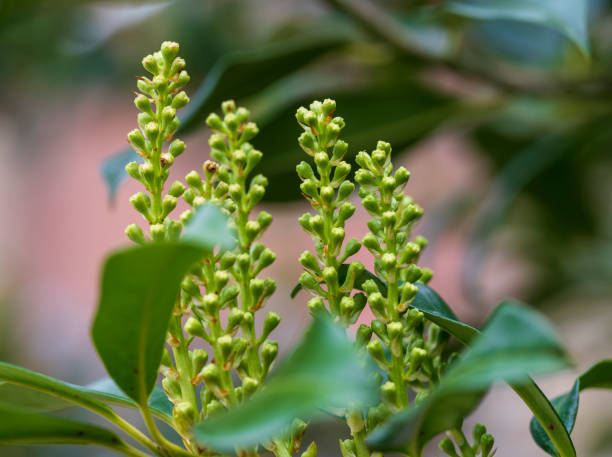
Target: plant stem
360 444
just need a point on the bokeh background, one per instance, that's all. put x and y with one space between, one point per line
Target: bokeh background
503 118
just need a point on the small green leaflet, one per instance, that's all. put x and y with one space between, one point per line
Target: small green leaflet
323 371
598 376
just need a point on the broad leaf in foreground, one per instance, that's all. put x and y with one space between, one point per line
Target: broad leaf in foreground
21 427
139 289
30 391
598 376
323 371
515 341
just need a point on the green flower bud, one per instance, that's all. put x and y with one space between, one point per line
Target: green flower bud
318 226
180 100
141 203
169 50
409 253
327 194
388 218
321 160
337 236
394 330
135 234
486 444
477 433
252 230
211 376
194 180
339 150
189 196
371 204
221 278
351 248
199 357
168 204
137 140
381 330
363 336
194 327
177 147
249 132
234 318
377 352
447 446
178 65
328 107
409 291
270 323
346 211
143 103
309 281
330 275
341 171
133 170
176 189
309 261
316 306
305 171
345 190
228 106
211 303
377 304
152 131
365 178
308 142
225 345
190 287
183 416
371 243
269 351
167 115
172 388
401 176
249 386
388 261
305 221
187 214
388 392
214 122
228 293
227 260
309 188
426 275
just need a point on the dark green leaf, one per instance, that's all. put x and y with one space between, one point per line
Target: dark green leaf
323 371
139 289
598 376
514 342
21 427
568 17
237 75
31 391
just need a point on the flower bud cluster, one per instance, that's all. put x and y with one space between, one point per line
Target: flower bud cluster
328 190
158 101
406 346
482 445
222 294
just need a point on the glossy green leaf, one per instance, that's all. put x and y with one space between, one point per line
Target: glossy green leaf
323 371
568 17
22 427
139 289
27 390
515 341
598 376
237 76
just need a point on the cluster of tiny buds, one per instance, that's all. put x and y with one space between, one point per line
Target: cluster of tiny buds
328 190
483 443
158 101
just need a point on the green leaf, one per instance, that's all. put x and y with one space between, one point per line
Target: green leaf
568 17
22 427
237 75
139 289
30 391
598 376
323 371
515 341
